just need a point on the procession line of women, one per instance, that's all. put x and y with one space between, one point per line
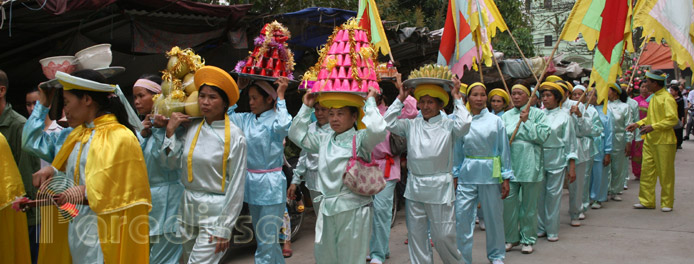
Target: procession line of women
201 171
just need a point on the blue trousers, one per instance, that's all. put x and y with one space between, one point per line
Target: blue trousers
550 202
619 172
344 237
267 221
576 190
435 219
599 181
489 195
587 185
164 250
520 212
380 229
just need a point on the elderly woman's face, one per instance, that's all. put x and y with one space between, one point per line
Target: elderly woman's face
497 103
211 103
576 94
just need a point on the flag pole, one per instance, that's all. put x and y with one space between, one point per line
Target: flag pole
637 64
523 55
502 78
479 56
479 65
544 71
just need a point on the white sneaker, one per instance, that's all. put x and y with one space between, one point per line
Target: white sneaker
497 261
641 206
541 234
581 216
375 261
666 209
626 187
482 226
527 249
575 223
553 239
616 198
596 205
509 246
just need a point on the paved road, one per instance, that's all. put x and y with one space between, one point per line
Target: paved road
614 234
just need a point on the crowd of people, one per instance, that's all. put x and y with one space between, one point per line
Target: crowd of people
155 189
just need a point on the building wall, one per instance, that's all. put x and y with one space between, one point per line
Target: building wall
548 18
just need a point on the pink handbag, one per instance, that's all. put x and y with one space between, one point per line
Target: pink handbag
361 177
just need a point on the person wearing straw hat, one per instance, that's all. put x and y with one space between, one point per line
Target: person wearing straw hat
344 218
622 117
600 172
430 190
265 128
659 145
165 185
483 175
591 150
109 187
559 153
498 101
307 166
14 228
212 155
582 123
520 206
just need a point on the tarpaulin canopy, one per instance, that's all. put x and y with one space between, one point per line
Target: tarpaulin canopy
657 56
58 7
312 26
139 32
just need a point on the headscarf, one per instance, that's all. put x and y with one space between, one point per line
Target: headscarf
340 100
214 76
469 88
553 86
432 90
499 92
267 88
580 87
522 88
148 85
553 78
616 87
463 88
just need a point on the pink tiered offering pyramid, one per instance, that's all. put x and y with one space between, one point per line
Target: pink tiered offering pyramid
347 63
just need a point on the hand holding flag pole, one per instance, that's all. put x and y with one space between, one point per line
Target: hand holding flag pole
544 71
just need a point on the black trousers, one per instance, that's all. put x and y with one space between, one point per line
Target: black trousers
678 135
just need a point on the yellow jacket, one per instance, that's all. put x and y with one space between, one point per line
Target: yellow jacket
11 184
115 173
662 116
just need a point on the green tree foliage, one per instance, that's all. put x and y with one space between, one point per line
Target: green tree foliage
519 24
412 13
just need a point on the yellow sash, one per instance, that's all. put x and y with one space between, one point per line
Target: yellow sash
115 173
227 147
